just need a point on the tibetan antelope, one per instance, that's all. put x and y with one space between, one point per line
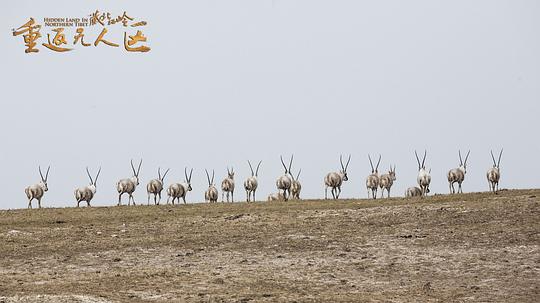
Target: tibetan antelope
296 186
251 183
335 179
86 193
283 183
494 174
372 181
227 186
458 174
211 194
179 190
424 177
387 180
276 197
413 192
155 187
128 186
36 191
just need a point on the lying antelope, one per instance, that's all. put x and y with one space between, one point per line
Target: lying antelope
424 177
372 181
494 174
128 186
251 183
86 193
283 183
413 192
155 187
276 197
36 191
335 179
458 174
296 187
387 180
227 186
211 194
179 190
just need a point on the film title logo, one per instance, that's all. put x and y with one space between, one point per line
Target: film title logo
61 40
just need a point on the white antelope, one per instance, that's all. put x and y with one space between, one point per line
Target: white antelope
413 192
283 183
227 186
251 183
179 190
36 191
458 174
424 177
335 179
276 197
494 174
211 194
86 193
387 180
155 187
372 181
296 186
128 186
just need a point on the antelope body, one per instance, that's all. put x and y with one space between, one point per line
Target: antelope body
335 179
155 187
296 187
424 177
211 194
179 190
284 182
494 174
251 183
227 186
87 193
458 174
372 181
413 192
128 186
37 191
276 197
387 180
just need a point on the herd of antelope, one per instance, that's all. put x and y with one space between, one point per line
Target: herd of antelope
287 185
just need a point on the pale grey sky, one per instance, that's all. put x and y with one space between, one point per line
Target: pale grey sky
228 81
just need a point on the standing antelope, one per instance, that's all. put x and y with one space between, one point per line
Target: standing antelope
36 191
424 178
155 186
494 174
372 181
296 186
251 183
86 193
211 194
283 183
179 190
387 180
335 179
227 186
413 192
127 186
458 174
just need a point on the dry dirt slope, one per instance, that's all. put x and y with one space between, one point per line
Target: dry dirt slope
462 248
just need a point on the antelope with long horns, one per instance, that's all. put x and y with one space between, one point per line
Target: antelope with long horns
336 179
86 193
413 192
372 181
494 173
387 180
296 186
227 186
284 182
179 190
211 194
155 187
458 174
251 183
424 177
36 191
128 186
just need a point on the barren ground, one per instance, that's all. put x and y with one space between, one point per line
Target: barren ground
462 248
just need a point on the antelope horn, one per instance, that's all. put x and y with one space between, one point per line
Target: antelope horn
424 159
467 157
88 173
460 161
207 177
290 163
39 168
378 162
163 177
498 162
493 157
139 168
97 175
212 176
133 167
251 168
347 165
283 163
417 160
159 172
370 163
257 170
298 176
